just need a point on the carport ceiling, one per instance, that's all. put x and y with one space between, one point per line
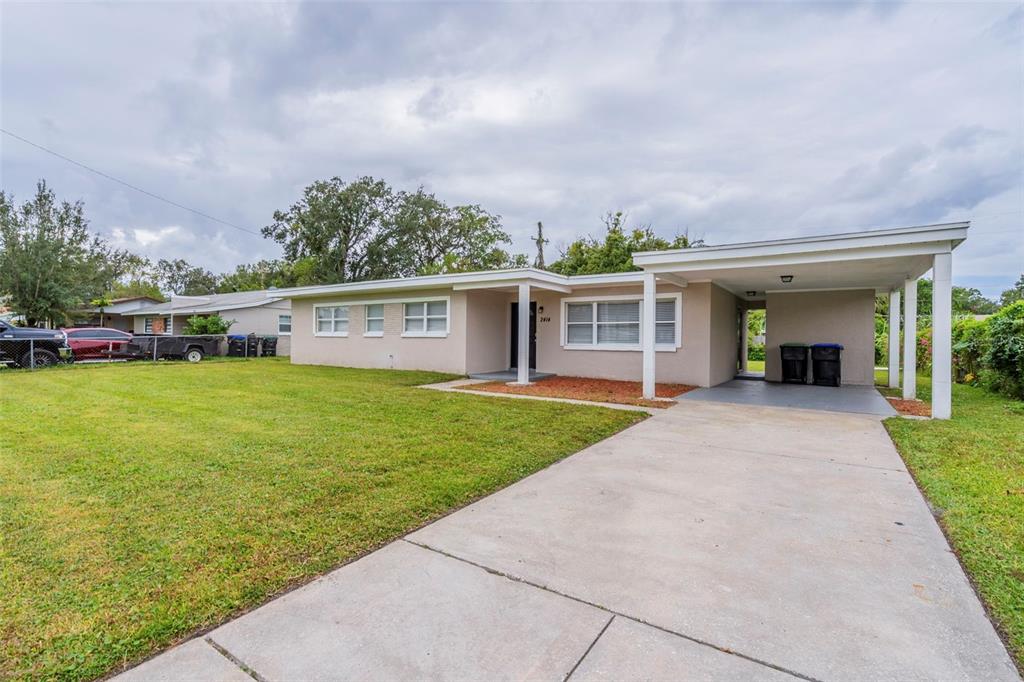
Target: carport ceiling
880 274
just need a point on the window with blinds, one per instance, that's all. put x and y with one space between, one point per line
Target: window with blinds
616 324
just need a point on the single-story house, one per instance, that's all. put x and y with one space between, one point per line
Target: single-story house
116 315
264 313
681 318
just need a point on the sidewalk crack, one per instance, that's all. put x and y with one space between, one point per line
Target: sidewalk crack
589 648
234 659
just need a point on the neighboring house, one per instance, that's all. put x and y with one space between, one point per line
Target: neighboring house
264 313
114 316
680 319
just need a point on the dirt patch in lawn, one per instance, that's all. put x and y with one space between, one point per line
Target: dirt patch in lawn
913 408
594 390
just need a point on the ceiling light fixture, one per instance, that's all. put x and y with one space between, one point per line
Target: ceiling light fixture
786 279
751 294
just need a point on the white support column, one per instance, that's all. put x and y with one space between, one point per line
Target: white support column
744 339
647 333
894 339
523 342
942 333
910 339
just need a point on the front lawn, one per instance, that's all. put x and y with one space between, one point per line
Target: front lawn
971 469
141 502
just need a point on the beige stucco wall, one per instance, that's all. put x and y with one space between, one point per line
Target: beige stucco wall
488 331
724 336
846 317
390 351
687 364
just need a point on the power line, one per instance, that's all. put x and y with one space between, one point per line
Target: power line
130 186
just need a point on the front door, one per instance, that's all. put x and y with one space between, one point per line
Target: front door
514 360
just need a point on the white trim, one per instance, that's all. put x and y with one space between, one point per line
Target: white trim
383 301
807 291
334 320
428 334
279 332
659 296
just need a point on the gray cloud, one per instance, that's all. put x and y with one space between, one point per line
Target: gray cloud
735 121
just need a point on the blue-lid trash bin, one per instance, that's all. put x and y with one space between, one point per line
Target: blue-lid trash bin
827 363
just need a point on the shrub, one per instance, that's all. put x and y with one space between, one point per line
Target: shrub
970 346
211 324
924 350
1004 357
881 348
755 351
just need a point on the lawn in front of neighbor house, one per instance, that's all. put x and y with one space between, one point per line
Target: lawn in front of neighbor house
141 502
971 469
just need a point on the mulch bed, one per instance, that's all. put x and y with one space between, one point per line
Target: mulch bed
594 390
914 408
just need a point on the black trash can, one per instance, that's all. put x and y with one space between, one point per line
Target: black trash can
268 346
236 346
794 363
826 359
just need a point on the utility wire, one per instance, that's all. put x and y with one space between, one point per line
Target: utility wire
131 186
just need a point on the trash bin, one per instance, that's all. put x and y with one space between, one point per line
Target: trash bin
826 360
236 346
794 363
268 346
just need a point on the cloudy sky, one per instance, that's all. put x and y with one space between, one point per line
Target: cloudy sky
732 121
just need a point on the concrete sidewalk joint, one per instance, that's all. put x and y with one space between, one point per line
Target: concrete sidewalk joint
613 613
234 659
590 648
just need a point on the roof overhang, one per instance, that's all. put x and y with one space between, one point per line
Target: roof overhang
881 260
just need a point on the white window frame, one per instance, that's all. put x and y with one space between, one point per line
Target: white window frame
316 326
367 318
279 330
676 297
147 324
426 300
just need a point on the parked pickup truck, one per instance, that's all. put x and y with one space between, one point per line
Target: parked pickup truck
30 347
191 348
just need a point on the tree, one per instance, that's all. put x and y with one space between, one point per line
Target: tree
364 230
180 277
100 302
1013 294
265 274
50 264
969 301
589 256
342 227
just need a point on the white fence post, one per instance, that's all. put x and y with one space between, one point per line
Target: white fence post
31 354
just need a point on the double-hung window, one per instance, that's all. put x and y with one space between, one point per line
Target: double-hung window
374 319
332 320
284 324
616 324
426 318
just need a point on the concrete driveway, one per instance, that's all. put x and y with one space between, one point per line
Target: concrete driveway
712 541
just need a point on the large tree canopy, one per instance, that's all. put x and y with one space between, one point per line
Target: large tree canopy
591 256
50 264
365 230
180 277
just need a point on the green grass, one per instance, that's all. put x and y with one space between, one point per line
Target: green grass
141 502
971 469
755 365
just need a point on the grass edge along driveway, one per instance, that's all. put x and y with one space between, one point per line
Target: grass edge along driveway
140 503
971 470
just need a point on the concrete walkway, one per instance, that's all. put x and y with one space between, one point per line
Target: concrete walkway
711 541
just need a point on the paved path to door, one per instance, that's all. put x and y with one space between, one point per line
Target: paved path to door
711 541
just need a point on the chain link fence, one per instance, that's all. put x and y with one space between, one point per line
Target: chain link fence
56 349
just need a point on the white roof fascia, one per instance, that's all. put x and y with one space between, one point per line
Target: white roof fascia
209 308
884 243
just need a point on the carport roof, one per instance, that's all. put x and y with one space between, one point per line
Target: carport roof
877 259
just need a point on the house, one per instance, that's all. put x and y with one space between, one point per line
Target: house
114 316
264 313
681 318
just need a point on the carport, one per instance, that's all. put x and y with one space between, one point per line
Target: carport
823 289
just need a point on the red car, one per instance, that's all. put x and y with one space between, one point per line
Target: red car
97 343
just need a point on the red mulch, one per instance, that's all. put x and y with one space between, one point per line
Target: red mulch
594 390
915 408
